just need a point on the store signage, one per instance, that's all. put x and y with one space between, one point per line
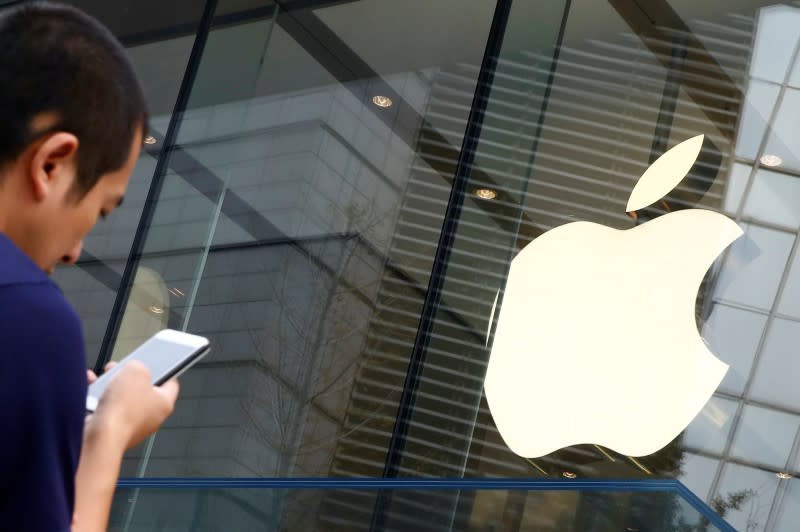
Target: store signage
596 338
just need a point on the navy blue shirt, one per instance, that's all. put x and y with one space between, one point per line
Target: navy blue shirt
42 397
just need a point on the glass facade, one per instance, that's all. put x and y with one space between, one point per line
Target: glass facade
333 190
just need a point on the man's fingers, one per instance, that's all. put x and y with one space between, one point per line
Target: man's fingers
91 376
170 390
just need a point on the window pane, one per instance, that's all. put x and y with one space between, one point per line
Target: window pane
740 174
777 35
790 511
754 266
783 136
744 497
752 443
733 334
775 198
775 374
758 106
697 473
709 431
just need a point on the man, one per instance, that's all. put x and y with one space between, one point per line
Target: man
72 116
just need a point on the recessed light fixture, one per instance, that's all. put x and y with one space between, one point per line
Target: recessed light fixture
770 160
156 310
783 475
382 101
150 139
569 474
177 292
486 193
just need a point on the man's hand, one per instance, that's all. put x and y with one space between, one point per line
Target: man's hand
91 376
132 408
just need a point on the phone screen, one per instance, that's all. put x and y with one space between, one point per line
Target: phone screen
163 358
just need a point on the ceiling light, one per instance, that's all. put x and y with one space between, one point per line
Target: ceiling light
150 139
783 475
486 193
177 292
156 310
569 474
382 101
771 160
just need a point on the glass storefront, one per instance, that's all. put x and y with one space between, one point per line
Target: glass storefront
333 192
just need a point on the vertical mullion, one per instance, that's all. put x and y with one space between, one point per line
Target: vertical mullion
433 294
448 233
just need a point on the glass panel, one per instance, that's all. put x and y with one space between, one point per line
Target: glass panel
697 473
783 136
709 431
296 228
765 435
776 38
740 174
790 510
327 509
753 268
734 335
757 109
775 198
745 497
775 375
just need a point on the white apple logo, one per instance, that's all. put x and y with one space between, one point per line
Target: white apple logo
596 340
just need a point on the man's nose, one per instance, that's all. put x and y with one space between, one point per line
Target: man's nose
72 255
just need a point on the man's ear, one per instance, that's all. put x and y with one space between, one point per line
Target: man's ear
53 161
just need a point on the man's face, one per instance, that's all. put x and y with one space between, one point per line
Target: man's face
71 218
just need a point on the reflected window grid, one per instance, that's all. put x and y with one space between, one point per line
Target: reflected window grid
764 201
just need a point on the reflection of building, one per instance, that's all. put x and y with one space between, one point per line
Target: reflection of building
297 224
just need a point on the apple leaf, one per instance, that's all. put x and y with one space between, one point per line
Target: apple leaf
665 173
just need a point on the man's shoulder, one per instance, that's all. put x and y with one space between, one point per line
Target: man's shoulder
28 297
38 324
44 299
43 357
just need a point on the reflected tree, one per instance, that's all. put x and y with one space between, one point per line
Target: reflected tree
309 349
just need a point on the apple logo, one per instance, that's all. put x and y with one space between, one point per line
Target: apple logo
596 339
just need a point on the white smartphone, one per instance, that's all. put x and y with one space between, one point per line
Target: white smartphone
167 354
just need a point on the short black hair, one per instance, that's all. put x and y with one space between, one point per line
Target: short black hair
56 59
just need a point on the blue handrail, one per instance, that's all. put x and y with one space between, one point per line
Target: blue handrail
636 485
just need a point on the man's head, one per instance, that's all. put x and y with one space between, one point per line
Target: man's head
72 119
